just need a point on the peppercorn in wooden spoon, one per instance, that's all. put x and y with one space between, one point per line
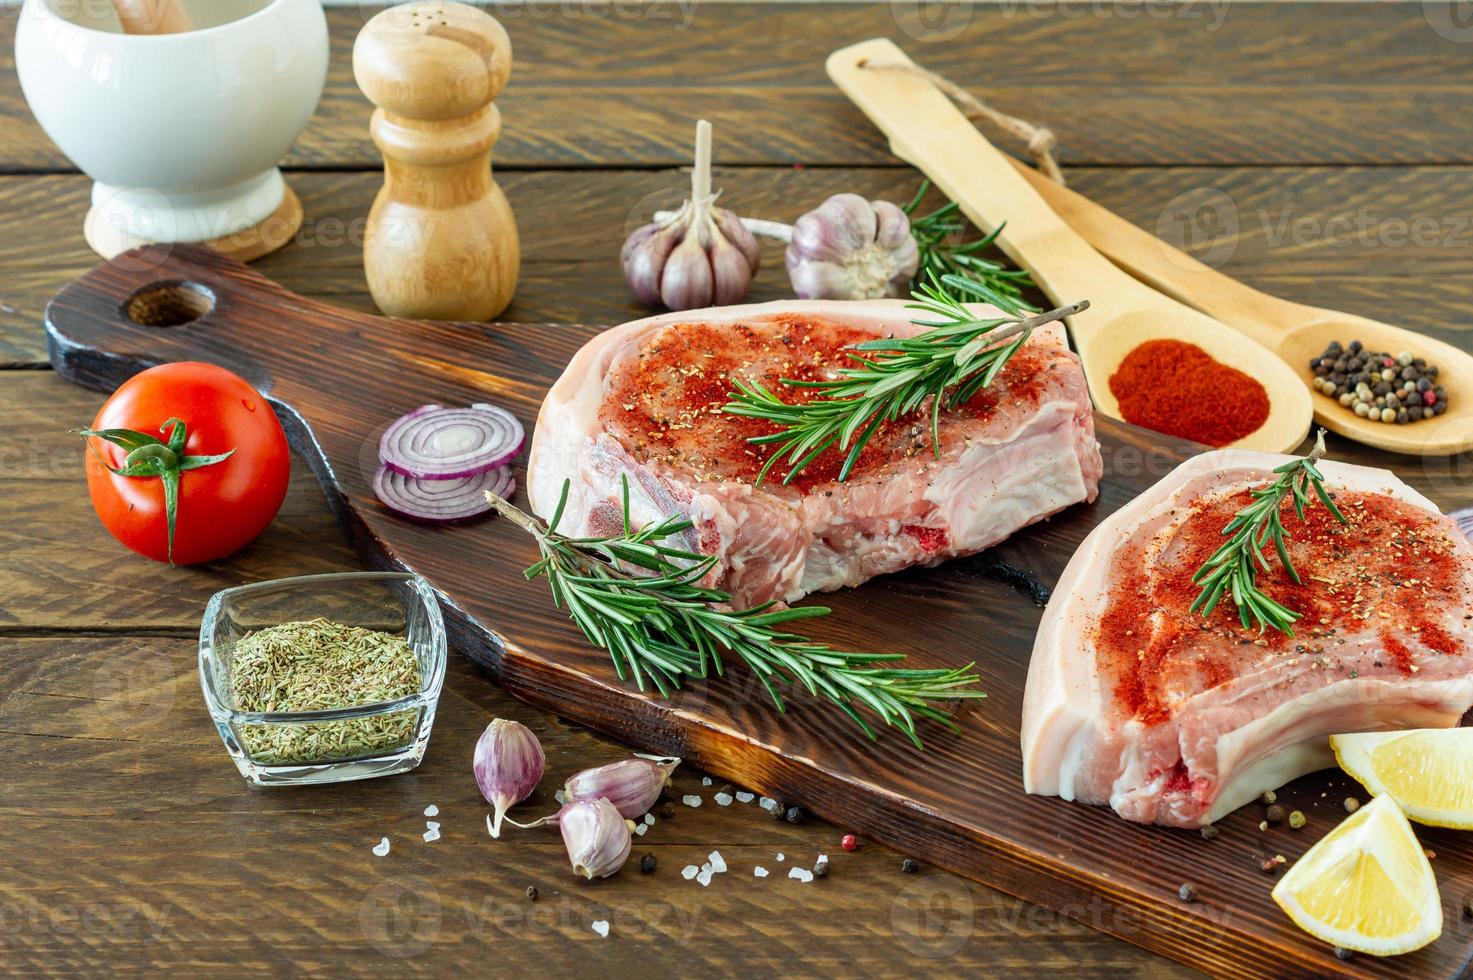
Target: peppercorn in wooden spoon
1295 332
1125 316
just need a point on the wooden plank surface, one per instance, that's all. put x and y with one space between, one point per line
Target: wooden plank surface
1391 243
1202 81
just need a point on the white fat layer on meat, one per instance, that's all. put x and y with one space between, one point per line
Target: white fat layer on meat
1071 747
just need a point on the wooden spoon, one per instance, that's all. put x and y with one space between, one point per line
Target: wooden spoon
929 132
1294 331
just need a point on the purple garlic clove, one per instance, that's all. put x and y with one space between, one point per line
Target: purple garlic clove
731 275
643 258
686 282
597 837
738 234
631 785
508 765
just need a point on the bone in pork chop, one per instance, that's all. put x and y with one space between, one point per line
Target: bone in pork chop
1134 701
644 401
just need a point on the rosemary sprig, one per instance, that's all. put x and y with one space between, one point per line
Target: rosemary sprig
1233 568
948 363
638 596
936 235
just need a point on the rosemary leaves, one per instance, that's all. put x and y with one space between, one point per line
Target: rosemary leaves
957 355
639 597
1233 569
935 235
314 665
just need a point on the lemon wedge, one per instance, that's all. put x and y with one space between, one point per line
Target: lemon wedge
1429 771
1366 886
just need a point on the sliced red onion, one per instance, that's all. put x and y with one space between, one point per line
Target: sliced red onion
455 499
437 443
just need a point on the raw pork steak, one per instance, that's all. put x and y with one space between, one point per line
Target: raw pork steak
1173 719
644 401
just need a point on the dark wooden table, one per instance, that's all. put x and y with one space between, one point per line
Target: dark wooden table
1320 151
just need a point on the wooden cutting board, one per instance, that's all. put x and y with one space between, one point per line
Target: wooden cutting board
336 378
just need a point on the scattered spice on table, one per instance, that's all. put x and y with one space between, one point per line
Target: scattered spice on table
1274 814
316 665
1268 797
794 814
821 868
1177 388
1187 892
849 842
910 866
647 864
531 893
1210 831
1297 820
1378 385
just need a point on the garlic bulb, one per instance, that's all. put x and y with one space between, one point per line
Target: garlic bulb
850 248
700 255
508 765
632 785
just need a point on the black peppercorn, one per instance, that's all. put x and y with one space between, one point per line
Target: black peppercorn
647 864
794 814
910 866
821 869
1186 892
779 812
1274 814
1341 953
531 893
667 810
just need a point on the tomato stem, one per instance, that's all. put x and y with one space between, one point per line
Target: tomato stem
149 457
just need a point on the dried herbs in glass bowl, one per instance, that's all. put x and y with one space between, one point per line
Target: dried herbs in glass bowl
324 678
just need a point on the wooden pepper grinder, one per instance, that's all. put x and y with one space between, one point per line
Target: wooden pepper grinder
441 242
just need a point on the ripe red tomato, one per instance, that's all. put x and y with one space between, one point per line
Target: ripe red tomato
221 506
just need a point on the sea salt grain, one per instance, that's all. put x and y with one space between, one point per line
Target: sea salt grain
641 829
744 797
802 874
691 800
433 834
601 926
723 799
689 871
767 803
718 863
381 848
705 877
649 818
705 780
759 872
781 857
432 811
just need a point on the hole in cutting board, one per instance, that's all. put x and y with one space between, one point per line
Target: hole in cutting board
169 304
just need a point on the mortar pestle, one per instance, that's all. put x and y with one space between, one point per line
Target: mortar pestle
180 132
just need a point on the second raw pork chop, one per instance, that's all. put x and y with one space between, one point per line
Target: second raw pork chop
1135 701
644 401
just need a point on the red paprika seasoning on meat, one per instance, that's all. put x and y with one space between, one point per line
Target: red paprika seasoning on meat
1177 388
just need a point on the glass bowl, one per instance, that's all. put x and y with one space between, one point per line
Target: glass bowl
396 603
